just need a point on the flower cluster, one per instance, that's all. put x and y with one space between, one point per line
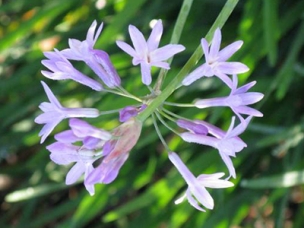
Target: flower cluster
99 154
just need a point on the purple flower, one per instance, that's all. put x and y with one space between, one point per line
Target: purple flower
193 127
196 191
54 113
147 53
227 143
238 100
216 61
127 135
60 69
64 152
98 60
130 111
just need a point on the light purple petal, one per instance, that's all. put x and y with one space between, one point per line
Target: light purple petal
164 65
215 44
195 75
112 171
104 68
154 38
229 164
213 181
247 111
146 73
166 52
50 95
89 187
75 172
182 168
211 102
47 129
67 137
126 48
215 131
244 88
232 68
250 97
193 201
192 126
224 78
127 112
82 129
205 47
91 143
228 51
200 139
138 40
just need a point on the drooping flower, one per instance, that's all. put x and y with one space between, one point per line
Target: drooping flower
63 152
147 53
98 60
216 61
237 100
54 113
227 143
60 69
196 191
126 135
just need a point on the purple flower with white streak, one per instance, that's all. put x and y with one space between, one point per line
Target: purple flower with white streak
54 113
61 69
196 191
147 53
98 60
227 143
216 61
127 135
237 100
63 151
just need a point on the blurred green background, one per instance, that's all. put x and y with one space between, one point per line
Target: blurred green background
268 190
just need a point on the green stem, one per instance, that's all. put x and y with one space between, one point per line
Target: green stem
178 104
159 133
219 22
165 124
177 31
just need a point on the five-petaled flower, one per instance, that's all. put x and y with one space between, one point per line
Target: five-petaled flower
237 100
196 190
54 113
216 61
228 143
147 53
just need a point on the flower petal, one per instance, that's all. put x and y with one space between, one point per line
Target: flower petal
126 48
165 52
229 164
138 40
50 95
145 73
228 51
75 172
215 44
154 38
195 75
232 68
